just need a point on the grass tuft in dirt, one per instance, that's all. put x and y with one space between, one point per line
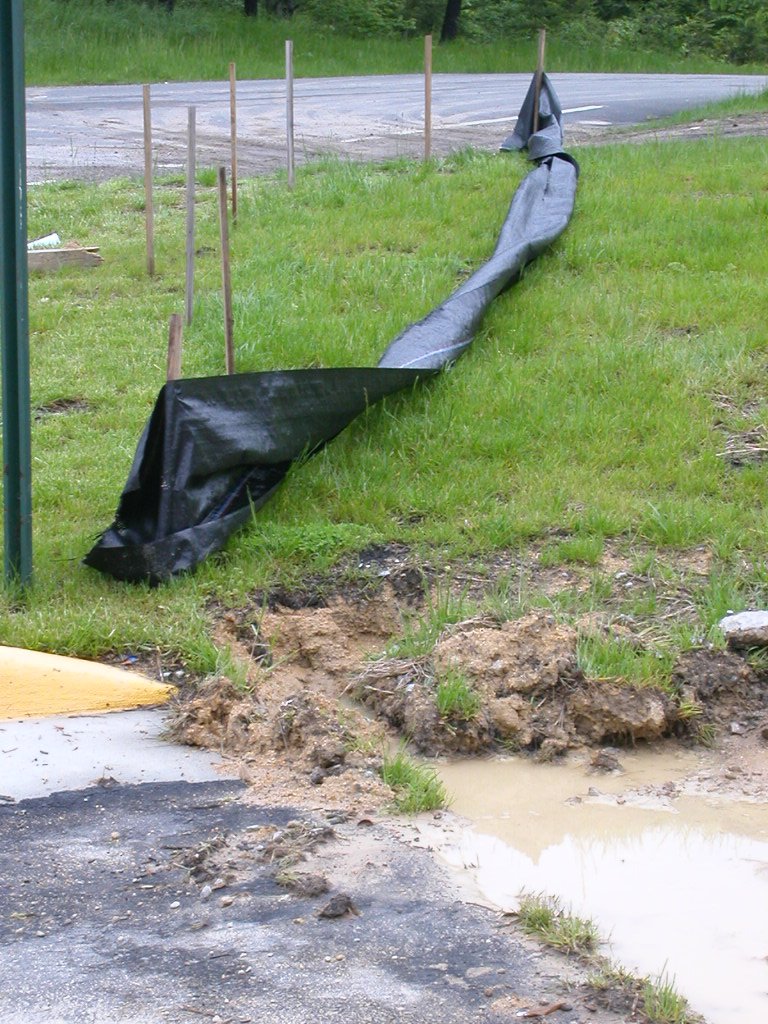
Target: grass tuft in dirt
421 631
622 659
663 1004
545 918
416 787
455 697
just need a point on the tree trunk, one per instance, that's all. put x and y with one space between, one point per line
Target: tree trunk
251 8
451 18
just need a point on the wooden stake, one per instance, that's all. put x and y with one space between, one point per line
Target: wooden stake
190 262
289 110
427 97
539 74
149 212
174 347
226 284
233 135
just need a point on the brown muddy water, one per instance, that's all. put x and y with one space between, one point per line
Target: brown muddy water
677 884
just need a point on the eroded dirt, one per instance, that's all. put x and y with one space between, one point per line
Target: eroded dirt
319 702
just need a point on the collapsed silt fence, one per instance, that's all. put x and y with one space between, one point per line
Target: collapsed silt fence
215 449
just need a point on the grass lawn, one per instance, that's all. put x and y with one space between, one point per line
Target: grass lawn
594 408
92 42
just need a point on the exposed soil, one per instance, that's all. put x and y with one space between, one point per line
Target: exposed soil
320 703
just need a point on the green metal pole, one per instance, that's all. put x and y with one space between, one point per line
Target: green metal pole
14 322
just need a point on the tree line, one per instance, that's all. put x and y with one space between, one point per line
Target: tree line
734 30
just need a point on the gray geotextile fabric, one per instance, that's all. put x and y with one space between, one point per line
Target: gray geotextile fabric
547 140
216 448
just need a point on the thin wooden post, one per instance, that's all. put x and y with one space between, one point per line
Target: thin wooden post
427 97
233 134
289 111
226 283
190 241
174 347
149 211
539 75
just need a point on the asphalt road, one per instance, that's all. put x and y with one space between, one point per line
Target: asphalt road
159 903
94 132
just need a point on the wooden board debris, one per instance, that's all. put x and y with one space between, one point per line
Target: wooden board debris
68 255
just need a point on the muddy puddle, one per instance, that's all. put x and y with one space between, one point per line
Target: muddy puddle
675 877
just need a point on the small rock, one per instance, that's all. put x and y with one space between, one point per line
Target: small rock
227 901
307 885
317 775
175 905
737 729
330 754
764 731
339 906
477 972
205 893
605 761
746 629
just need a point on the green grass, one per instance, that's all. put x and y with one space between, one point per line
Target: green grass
421 630
95 42
586 549
545 918
591 403
663 1004
416 787
618 659
456 699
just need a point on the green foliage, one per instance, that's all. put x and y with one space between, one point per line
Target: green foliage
443 608
616 658
69 43
416 787
372 18
456 699
584 549
545 918
491 19
662 1003
498 452
734 30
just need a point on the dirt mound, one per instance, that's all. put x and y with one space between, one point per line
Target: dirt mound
722 688
531 694
317 704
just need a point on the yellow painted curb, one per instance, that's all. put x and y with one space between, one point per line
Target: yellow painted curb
33 684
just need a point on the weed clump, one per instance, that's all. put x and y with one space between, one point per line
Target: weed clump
544 917
416 787
456 699
663 1004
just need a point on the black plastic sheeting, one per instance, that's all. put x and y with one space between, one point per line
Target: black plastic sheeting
216 448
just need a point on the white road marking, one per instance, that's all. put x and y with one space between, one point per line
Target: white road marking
474 124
